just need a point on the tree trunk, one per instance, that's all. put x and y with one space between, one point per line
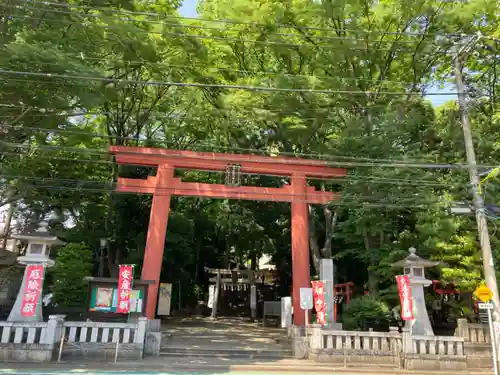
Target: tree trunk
330 223
199 244
372 275
102 259
313 242
8 222
317 252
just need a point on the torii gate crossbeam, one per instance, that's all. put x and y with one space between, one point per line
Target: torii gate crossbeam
164 185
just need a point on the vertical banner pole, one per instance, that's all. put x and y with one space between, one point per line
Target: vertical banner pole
116 349
130 292
493 344
335 310
61 344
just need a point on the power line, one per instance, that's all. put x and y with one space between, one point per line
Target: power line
313 157
321 114
201 144
187 190
108 183
350 179
341 180
48 111
73 160
333 203
240 40
226 21
245 73
198 27
220 86
299 161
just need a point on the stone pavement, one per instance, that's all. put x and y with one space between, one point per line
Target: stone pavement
153 366
233 335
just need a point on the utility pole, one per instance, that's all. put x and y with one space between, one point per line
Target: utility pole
482 223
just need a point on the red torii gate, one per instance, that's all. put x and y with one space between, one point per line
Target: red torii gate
164 185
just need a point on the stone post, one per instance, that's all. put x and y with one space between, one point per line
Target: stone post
142 325
395 346
153 325
462 329
54 330
407 341
300 343
315 336
140 334
326 274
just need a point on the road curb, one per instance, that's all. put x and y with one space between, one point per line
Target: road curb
254 369
342 370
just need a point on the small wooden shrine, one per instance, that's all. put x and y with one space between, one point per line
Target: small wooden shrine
236 290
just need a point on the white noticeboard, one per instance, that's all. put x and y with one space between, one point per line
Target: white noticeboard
286 312
306 298
164 299
485 306
211 296
253 297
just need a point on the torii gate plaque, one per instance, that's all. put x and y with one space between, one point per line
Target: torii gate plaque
164 185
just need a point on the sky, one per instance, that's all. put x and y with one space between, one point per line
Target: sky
188 8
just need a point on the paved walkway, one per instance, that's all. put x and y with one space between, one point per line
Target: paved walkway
221 334
155 367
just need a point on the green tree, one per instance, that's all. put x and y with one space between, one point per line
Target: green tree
54 130
73 264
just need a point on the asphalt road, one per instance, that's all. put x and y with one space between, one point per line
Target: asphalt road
204 366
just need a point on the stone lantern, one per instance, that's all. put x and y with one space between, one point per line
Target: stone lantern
39 243
414 267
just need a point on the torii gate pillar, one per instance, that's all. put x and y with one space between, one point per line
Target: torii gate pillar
155 240
301 277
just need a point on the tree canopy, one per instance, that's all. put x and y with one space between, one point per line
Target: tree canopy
345 81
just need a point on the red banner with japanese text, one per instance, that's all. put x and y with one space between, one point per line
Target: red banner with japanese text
318 288
32 289
124 287
404 289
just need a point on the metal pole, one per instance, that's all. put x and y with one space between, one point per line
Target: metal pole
116 349
493 346
482 224
63 334
306 312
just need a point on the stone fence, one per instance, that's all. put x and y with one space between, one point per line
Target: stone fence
473 333
28 342
389 350
351 347
103 339
477 343
57 338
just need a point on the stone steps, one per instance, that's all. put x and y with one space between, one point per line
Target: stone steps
226 352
